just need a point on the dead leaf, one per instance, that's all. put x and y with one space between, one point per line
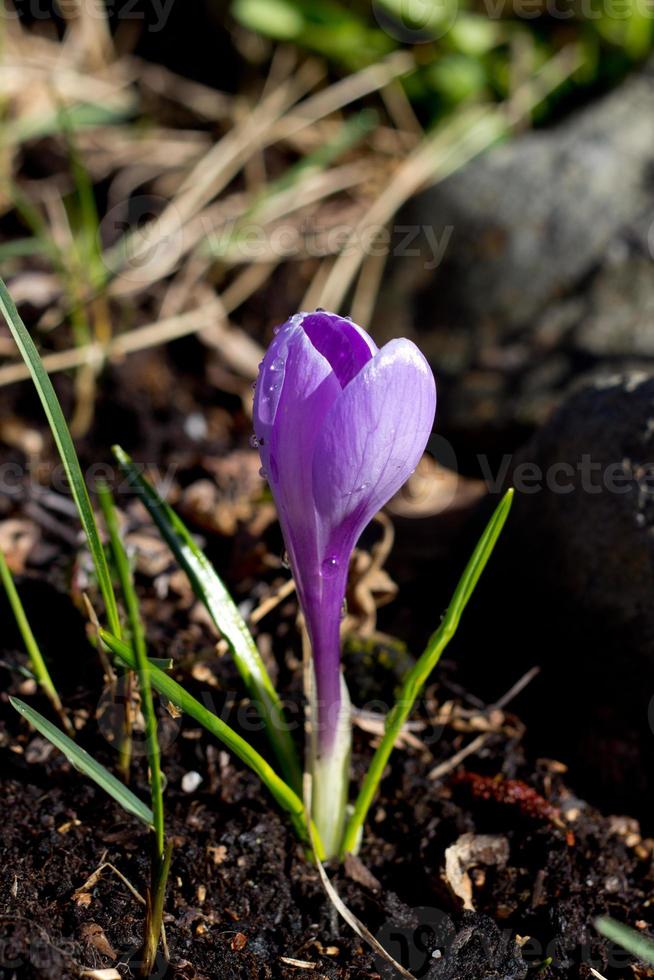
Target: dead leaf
94 935
218 854
357 871
109 974
18 538
469 851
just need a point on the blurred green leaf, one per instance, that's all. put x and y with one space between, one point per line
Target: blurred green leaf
457 77
278 19
633 942
473 34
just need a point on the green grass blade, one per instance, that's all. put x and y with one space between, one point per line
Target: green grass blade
281 792
40 125
637 945
419 673
212 593
66 449
37 662
88 238
143 668
85 763
20 248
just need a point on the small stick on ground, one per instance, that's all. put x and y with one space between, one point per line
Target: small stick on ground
478 743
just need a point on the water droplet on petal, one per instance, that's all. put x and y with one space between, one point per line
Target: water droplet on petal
276 330
359 489
329 567
262 473
277 364
320 309
253 386
286 562
254 442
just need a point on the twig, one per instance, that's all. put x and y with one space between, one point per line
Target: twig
477 743
272 601
453 144
203 317
354 923
445 767
90 882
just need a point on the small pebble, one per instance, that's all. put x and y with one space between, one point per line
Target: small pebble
191 781
195 426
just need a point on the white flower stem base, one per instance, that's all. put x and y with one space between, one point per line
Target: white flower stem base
331 778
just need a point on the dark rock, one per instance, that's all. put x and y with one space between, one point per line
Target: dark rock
481 950
576 573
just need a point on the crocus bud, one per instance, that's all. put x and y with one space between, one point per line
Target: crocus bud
340 426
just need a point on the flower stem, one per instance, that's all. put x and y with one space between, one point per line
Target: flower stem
155 907
330 772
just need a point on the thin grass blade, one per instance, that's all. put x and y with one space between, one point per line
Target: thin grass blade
143 668
210 590
85 763
66 449
637 945
419 673
281 792
41 672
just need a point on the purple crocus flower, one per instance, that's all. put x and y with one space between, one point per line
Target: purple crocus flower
340 426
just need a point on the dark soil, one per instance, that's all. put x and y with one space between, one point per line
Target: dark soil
244 902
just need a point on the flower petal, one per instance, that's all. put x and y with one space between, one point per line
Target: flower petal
345 345
370 442
295 390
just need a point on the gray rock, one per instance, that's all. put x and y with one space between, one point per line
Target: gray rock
618 315
580 582
531 218
548 271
